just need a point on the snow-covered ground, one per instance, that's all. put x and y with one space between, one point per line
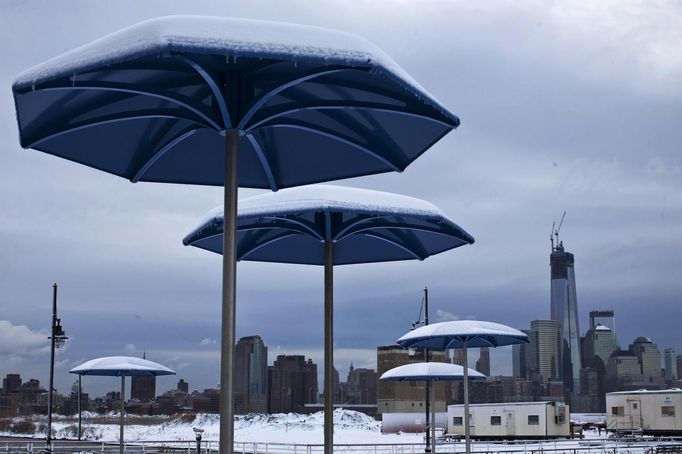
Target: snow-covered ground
350 428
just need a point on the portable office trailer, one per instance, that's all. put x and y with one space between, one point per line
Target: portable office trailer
512 420
656 412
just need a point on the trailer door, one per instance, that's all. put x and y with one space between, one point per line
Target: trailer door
511 423
635 408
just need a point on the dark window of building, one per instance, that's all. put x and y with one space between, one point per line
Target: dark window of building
634 405
457 421
617 411
496 420
668 410
533 420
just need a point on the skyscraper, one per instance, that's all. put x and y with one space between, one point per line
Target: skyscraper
599 342
649 359
250 378
605 318
564 309
670 366
483 363
292 383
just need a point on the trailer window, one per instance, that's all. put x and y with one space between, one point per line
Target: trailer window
457 421
533 420
617 411
668 410
496 420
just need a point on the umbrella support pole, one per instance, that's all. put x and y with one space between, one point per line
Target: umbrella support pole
123 399
80 409
433 418
328 346
229 294
465 385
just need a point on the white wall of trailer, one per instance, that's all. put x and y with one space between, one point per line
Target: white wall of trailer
512 420
409 422
651 411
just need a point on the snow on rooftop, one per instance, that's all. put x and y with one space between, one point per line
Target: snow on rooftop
600 327
222 36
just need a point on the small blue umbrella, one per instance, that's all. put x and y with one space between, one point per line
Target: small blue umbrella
332 225
430 372
463 334
228 102
121 366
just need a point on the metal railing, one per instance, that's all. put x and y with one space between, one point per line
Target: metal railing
585 446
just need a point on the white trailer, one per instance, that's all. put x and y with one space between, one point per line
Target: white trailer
655 412
512 420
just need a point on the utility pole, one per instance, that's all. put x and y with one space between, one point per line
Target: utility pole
427 384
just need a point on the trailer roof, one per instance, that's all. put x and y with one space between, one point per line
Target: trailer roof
506 404
648 391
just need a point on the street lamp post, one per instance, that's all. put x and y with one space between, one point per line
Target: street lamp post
57 340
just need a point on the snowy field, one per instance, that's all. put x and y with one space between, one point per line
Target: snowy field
282 431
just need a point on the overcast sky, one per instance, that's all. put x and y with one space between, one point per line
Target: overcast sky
564 105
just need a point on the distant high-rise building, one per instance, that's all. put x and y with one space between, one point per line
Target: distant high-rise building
679 367
564 309
605 318
143 388
519 352
623 371
542 353
599 342
483 363
649 358
360 386
183 386
670 366
292 383
250 379
11 383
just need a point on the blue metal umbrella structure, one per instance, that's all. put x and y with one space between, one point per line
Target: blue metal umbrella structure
121 366
228 102
430 372
463 334
332 225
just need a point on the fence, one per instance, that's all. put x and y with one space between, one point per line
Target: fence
595 446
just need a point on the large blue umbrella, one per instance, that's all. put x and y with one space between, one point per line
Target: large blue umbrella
463 334
332 225
190 99
121 366
430 372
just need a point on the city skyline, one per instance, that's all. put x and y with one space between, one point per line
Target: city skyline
560 110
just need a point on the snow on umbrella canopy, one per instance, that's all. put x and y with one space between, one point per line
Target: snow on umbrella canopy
152 102
454 334
366 226
429 372
117 366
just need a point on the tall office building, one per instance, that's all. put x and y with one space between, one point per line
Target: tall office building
679 366
292 383
599 342
11 383
649 357
670 366
183 386
483 363
564 309
458 356
544 353
605 318
250 378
